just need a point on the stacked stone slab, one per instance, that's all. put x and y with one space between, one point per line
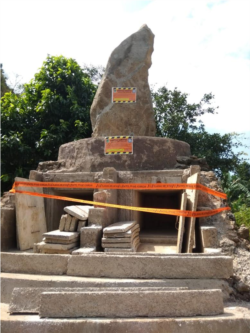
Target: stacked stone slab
58 242
66 239
121 237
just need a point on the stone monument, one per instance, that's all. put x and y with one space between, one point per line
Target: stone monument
127 67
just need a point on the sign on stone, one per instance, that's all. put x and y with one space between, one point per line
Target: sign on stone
118 145
123 95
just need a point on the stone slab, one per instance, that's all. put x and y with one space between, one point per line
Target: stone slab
127 304
62 222
33 263
51 251
57 235
67 222
84 250
126 234
81 212
30 217
8 228
27 300
236 318
50 246
146 266
73 224
9 281
130 244
119 227
120 240
181 227
192 198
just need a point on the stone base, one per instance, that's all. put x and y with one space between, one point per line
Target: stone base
149 153
235 319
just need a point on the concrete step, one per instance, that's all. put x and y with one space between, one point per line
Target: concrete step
113 265
131 304
150 267
27 300
236 318
9 281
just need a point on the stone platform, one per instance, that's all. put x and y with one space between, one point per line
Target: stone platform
87 155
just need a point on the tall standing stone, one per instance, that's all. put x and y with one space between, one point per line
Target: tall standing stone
127 67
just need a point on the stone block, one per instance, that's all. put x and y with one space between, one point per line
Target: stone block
62 222
31 263
81 224
151 267
209 237
8 228
130 304
98 216
91 236
81 212
119 227
27 300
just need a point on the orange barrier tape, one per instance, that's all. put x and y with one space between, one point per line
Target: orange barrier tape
175 212
124 186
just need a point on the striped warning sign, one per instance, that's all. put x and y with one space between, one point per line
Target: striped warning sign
118 145
124 95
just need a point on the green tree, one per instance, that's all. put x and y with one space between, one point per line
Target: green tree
176 118
53 109
4 85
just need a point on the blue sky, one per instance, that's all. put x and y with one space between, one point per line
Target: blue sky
200 46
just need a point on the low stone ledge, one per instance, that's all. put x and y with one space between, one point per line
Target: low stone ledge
32 263
127 304
151 267
27 300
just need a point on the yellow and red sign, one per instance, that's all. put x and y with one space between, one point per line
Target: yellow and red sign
118 145
123 95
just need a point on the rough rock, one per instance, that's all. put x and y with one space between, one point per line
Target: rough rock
127 67
243 232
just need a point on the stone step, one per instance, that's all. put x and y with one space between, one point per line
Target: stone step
27 300
150 267
235 319
131 304
9 281
113 265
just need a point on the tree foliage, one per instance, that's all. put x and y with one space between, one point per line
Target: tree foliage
4 85
53 109
176 118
